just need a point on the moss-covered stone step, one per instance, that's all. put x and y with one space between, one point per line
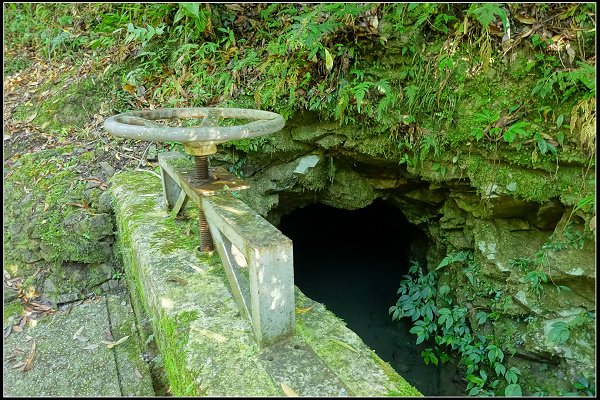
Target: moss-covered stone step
207 346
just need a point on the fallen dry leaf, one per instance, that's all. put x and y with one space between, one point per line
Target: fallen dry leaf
7 331
38 307
138 374
31 118
525 19
17 328
91 346
18 365
79 336
129 89
110 345
300 310
28 364
344 344
288 390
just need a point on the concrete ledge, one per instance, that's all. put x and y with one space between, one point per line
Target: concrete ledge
208 347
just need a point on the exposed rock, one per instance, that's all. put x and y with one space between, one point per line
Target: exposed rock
104 203
427 195
349 190
453 217
306 163
49 286
108 169
510 207
549 214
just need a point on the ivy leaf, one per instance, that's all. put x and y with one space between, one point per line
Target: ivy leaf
513 390
559 333
475 379
500 369
444 290
511 375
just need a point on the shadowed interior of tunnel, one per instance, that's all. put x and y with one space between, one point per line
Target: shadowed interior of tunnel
353 262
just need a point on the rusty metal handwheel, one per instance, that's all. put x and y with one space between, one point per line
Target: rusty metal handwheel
199 141
140 125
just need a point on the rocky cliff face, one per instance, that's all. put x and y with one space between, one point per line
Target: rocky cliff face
533 249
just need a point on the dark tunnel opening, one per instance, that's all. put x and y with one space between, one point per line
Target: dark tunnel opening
353 262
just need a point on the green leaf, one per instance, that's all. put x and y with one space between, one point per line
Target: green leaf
513 390
475 379
451 258
543 146
500 369
483 375
559 332
192 8
585 201
512 375
444 290
474 391
478 133
581 383
433 359
328 60
486 13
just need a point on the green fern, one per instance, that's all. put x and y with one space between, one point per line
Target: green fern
485 13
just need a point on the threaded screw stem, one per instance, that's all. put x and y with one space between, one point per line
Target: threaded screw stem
206 241
201 164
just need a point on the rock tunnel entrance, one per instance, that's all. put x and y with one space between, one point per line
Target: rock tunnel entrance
353 262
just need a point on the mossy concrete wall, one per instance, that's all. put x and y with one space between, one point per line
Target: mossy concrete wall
207 347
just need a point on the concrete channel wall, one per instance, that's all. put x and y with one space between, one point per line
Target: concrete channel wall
207 345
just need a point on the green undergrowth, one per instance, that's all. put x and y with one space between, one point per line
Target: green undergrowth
427 75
